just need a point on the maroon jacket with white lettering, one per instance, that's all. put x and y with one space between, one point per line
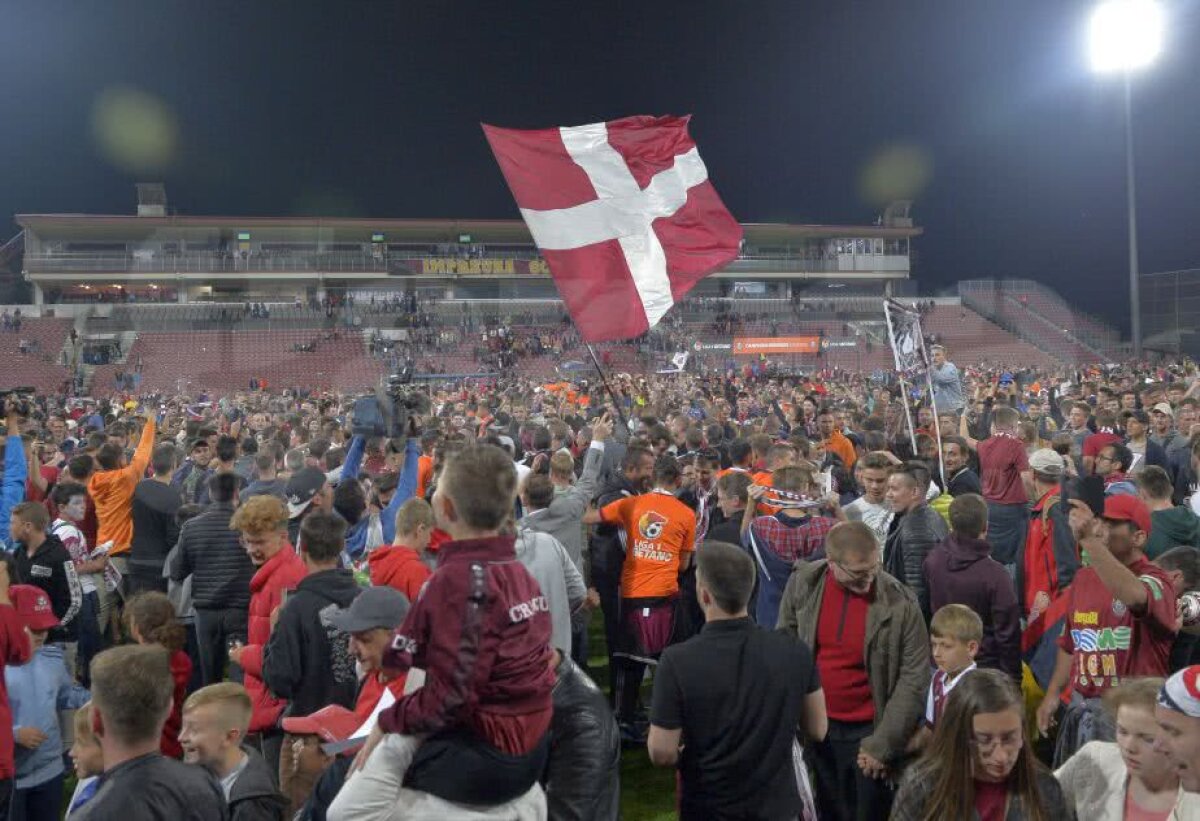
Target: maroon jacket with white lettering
481 632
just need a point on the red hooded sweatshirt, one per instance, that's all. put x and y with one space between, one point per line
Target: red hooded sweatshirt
398 567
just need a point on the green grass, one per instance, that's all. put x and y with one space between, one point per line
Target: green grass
647 792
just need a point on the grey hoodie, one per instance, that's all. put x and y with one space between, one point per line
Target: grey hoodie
549 563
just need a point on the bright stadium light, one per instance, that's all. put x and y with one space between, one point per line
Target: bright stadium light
1125 35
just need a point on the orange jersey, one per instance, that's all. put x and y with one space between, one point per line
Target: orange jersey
660 531
424 474
765 479
843 447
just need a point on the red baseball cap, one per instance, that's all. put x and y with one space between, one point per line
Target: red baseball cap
332 723
1123 507
33 606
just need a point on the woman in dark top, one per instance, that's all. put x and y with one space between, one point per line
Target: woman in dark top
980 764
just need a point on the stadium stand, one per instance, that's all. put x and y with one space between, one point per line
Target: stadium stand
228 360
32 356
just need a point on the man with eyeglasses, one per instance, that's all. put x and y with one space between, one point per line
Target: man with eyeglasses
872 651
1112 465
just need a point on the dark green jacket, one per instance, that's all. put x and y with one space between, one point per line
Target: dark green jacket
897 651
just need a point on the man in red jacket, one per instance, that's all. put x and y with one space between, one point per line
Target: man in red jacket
14 649
402 565
481 631
263 522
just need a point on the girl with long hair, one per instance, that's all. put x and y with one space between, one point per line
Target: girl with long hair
151 619
980 765
1129 778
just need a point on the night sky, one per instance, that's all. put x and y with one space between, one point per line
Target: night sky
372 108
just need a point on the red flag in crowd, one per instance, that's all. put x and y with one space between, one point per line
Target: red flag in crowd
622 212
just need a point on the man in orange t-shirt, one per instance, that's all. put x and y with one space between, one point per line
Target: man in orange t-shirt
835 441
659 536
425 463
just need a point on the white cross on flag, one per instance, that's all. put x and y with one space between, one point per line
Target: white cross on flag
622 212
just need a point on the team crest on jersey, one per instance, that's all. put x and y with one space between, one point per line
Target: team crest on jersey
1118 608
651 525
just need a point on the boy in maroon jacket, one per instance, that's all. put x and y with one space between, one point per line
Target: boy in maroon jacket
481 631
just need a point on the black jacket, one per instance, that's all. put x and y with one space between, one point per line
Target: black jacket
582 778
155 788
606 552
910 537
307 660
213 556
192 482
52 570
965 481
254 796
917 784
154 529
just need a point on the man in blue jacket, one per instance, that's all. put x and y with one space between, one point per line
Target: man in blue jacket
16 471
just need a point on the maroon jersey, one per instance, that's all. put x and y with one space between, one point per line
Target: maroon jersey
1109 642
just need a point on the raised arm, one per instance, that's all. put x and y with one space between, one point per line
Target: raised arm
141 456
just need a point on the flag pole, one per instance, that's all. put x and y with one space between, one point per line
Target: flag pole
937 425
904 392
607 387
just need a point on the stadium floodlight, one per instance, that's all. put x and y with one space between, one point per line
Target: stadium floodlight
1125 35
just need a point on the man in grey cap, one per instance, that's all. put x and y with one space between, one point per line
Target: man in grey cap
371 620
1048 560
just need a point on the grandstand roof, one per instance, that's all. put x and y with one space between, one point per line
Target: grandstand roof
417 230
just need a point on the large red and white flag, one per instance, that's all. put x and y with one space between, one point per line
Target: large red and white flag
622 212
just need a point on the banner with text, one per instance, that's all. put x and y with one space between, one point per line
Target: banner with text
755 345
455 266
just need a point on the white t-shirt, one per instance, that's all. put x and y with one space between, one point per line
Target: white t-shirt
876 517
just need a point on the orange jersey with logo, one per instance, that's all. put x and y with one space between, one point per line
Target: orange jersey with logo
660 531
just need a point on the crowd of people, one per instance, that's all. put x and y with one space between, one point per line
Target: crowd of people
822 596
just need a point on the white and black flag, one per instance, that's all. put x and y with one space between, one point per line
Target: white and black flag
904 334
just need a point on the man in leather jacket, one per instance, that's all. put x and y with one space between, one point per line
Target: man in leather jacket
582 778
915 530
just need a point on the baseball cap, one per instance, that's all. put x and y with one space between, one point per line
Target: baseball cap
197 443
1123 507
301 488
332 723
33 606
1164 407
1046 461
373 608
